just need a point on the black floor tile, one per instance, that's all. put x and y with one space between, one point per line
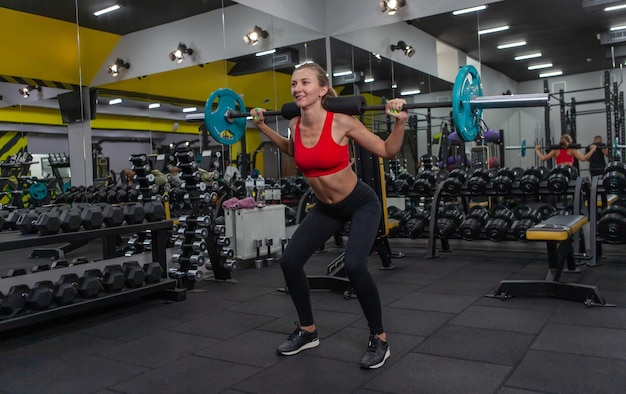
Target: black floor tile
573 313
492 346
222 325
568 373
583 340
158 349
433 374
447 303
519 320
191 374
307 373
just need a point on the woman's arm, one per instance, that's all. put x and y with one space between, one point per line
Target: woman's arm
284 144
580 156
547 156
371 142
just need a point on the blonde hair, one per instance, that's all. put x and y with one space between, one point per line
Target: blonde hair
322 79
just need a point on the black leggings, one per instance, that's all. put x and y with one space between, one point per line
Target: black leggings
363 209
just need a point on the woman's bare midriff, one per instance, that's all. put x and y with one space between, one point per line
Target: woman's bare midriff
333 188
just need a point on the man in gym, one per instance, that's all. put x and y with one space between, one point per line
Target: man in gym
597 163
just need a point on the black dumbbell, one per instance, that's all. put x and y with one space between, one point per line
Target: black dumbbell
134 213
112 216
497 228
614 179
92 217
48 223
87 286
519 228
154 211
453 184
473 224
60 293
26 222
503 181
448 222
134 274
612 224
71 220
153 271
424 183
478 181
530 182
560 178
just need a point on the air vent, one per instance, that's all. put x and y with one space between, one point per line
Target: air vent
281 59
345 79
285 59
613 37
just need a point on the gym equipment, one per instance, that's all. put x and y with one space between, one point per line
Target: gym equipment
531 180
134 274
478 181
473 224
454 182
448 222
614 179
497 228
522 148
26 222
92 217
612 224
226 121
71 220
424 183
557 232
153 272
113 216
560 177
503 182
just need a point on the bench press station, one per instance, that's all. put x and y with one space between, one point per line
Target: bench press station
558 232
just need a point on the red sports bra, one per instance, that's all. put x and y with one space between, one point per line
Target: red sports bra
564 158
326 157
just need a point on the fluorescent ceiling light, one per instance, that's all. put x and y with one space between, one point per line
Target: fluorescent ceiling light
538 66
107 10
550 74
368 80
529 56
620 27
115 101
468 10
493 30
190 109
410 92
264 53
615 7
154 105
512 45
342 73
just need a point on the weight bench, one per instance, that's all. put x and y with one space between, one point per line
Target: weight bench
557 232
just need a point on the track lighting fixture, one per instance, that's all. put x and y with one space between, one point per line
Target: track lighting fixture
114 69
25 92
391 6
404 47
254 35
179 53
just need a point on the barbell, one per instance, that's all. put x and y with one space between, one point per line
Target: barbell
225 113
522 148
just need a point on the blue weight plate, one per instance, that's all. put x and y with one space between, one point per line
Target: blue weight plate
466 119
38 191
523 149
225 130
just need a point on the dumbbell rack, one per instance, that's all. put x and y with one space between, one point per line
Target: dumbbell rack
12 240
142 241
599 194
198 233
578 187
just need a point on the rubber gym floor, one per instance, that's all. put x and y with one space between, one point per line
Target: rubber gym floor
445 335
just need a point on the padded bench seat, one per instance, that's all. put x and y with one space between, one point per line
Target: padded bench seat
557 231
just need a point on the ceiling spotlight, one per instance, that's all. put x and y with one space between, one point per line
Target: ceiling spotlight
404 47
25 92
254 35
391 6
114 69
179 54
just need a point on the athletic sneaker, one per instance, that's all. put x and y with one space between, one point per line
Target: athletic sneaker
298 341
377 353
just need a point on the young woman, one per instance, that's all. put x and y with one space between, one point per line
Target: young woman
319 145
565 155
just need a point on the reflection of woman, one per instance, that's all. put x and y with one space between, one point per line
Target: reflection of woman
319 145
565 155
